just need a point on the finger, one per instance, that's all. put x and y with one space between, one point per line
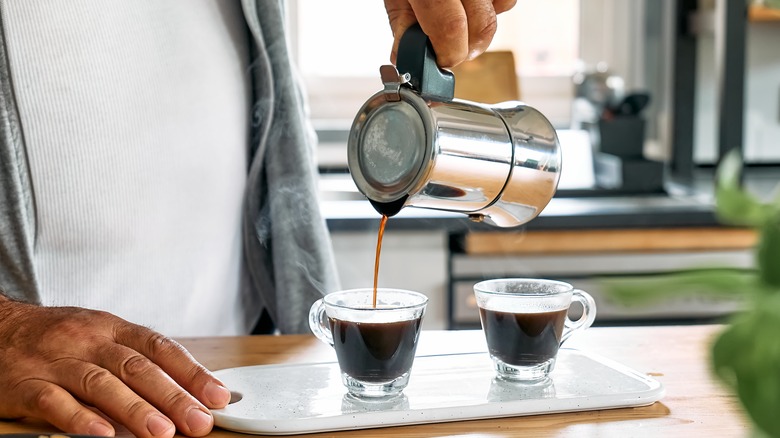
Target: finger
446 24
401 17
99 388
502 6
482 25
151 383
176 362
53 404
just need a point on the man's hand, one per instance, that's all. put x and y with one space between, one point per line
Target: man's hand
459 30
57 362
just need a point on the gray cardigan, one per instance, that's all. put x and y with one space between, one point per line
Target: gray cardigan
286 244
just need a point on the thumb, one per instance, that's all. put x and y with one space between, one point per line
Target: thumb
401 17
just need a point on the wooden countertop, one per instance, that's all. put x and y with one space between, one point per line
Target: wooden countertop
610 240
695 403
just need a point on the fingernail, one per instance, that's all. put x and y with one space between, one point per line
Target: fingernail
217 395
158 425
198 420
99 429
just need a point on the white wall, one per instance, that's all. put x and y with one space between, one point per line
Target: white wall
762 97
413 260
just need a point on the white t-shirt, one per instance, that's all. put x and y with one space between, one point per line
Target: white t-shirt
135 116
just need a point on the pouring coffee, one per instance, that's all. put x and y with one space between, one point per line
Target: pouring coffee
414 145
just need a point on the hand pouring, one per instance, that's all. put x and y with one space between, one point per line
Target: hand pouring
414 145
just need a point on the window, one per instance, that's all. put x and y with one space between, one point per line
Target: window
339 46
339 56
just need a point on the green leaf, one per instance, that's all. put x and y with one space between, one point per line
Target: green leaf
729 170
734 205
715 282
775 201
768 254
747 357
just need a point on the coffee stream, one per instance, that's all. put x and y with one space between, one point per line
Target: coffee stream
382 224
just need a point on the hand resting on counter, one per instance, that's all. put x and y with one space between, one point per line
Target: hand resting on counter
56 362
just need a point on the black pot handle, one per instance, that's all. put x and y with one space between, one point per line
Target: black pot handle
416 57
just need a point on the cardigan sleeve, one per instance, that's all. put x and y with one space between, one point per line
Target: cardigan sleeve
17 216
288 248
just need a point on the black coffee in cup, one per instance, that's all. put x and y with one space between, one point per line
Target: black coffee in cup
375 352
523 339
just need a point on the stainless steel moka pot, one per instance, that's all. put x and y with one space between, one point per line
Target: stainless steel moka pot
414 145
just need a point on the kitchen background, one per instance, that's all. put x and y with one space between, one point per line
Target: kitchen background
588 232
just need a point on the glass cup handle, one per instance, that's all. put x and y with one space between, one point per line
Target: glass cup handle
587 318
318 322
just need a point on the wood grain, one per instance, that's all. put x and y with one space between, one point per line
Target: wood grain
489 78
582 241
757 13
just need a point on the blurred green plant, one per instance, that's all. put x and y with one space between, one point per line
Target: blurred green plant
746 355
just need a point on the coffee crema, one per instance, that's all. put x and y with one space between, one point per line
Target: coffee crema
523 339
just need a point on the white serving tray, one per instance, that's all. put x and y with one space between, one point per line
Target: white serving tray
307 398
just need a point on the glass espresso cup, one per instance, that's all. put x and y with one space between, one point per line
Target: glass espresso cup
375 346
525 321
